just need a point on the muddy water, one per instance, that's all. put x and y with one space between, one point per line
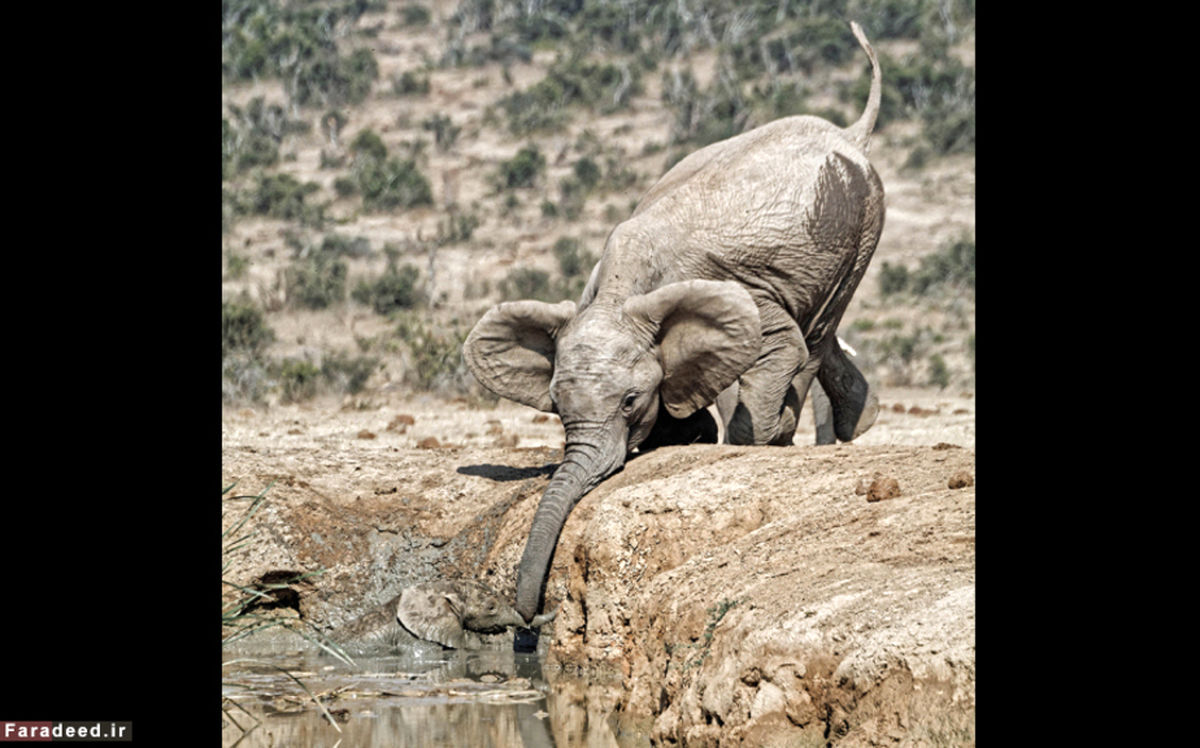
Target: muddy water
424 698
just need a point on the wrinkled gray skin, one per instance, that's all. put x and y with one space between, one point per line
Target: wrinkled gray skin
444 611
731 277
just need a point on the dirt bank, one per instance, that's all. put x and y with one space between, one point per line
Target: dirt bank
745 595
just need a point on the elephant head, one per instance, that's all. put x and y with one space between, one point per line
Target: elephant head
444 611
607 371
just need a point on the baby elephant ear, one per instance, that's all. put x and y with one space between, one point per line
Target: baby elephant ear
511 349
428 613
708 334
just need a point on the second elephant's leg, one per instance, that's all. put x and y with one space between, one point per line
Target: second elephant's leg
854 402
822 415
766 407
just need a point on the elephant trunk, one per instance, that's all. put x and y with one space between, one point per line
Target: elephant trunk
590 456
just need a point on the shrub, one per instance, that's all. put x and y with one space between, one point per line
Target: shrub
391 291
939 373
297 378
368 143
316 282
392 184
526 283
410 83
570 81
243 327
587 172
436 357
445 132
414 14
283 196
344 246
236 265
892 279
458 227
952 265
571 261
345 373
522 169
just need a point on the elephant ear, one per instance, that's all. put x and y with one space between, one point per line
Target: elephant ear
431 613
708 334
511 349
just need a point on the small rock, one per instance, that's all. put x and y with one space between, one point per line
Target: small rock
961 479
400 421
541 418
429 442
883 488
295 431
364 434
898 408
944 445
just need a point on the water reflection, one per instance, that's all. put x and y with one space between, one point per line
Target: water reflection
422 698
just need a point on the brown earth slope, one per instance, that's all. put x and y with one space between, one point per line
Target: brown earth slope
743 595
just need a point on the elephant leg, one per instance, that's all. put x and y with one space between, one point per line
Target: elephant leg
854 402
822 415
801 383
698 428
766 408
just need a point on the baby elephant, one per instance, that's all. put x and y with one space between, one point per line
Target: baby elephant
443 612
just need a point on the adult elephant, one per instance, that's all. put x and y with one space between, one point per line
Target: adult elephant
730 278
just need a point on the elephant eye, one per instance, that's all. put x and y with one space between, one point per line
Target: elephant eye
630 399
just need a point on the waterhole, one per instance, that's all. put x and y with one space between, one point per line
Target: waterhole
428 698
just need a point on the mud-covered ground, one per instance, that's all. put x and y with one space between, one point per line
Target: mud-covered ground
741 595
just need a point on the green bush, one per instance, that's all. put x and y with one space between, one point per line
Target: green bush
368 143
939 373
236 265
410 83
526 283
522 169
281 196
392 184
298 379
458 227
316 282
391 291
344 246
297 43
436 356
346 373
414 14
587 172
893 279
243 327
445 132
571 81
571 260
952 265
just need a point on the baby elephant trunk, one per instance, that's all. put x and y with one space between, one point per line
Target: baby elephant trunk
591 455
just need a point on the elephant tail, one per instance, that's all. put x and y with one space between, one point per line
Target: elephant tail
860 131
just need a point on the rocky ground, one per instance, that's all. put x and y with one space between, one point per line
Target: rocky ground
758 596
